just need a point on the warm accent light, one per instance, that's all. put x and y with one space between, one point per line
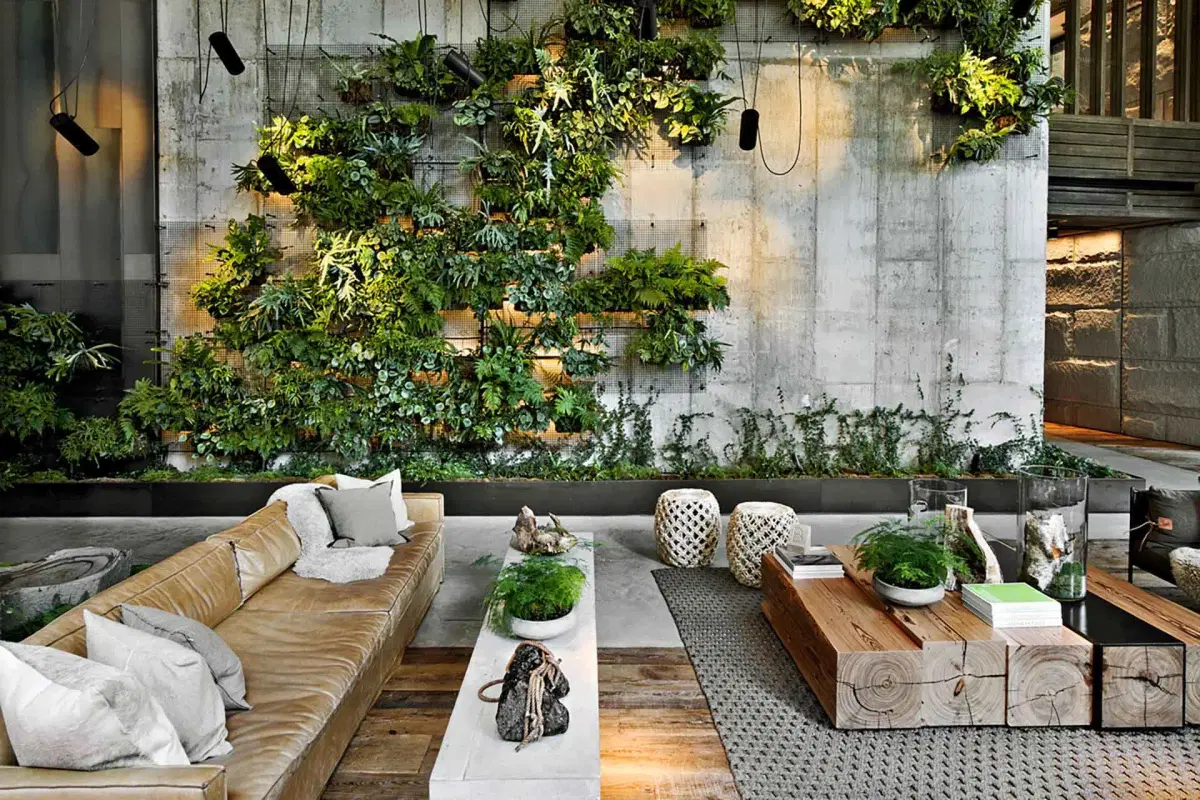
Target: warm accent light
457 63
268 165
69 129
226 52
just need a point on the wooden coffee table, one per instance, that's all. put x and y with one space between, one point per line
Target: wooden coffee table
1124 658
474 762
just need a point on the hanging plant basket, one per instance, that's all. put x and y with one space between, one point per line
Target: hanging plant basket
519 83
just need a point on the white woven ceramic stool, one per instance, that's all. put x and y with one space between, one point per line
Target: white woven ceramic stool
687 527
1185 566
754 529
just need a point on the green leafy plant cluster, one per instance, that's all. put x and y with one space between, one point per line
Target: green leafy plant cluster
907 554
44 358
994 83
537 588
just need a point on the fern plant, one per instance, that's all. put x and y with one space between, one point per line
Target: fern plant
907 554
538 588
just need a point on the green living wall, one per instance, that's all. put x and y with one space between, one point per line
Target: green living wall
347 357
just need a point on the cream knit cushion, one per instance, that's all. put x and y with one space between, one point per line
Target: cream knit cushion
66 712
176 676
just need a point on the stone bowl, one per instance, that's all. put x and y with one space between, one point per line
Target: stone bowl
913 598
541 630
65 578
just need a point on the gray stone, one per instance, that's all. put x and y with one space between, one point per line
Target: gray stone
1081 380
1083 285
1098 333
510 714
1147 334
1059 334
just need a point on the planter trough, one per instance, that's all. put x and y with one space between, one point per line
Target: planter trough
505 497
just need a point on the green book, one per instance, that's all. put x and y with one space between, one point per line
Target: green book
997 594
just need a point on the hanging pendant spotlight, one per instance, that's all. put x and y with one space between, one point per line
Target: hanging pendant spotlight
280 181
1020 9
645 27
226 52
748 133
457 63
64 121
70 130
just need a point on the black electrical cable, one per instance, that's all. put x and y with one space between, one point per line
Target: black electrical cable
201 82
754 100
87 46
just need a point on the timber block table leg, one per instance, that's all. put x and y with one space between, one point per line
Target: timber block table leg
1049 678
1141 687
864 670
1171 618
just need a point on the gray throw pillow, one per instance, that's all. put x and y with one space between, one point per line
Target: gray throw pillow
226 667
361 517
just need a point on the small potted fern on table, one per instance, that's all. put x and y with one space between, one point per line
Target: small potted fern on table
910 561
535 598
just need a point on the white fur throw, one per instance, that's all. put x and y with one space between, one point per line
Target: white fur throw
317 558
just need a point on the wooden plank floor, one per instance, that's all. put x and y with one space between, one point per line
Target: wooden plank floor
657 740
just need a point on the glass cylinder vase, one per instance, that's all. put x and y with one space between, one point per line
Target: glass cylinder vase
928 497
1052 531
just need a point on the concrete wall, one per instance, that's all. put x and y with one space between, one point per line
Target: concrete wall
1123 332
853 275
78 234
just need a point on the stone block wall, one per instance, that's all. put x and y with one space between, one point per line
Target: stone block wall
1083 331
1123 332
1161 376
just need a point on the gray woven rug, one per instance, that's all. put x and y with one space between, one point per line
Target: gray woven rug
782 746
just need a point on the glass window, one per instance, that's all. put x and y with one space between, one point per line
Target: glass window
1133 58
1058 41
1164 61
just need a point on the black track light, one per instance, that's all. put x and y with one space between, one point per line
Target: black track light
268 165
457 63
226 52
69 129
748 134
645 26
1020 8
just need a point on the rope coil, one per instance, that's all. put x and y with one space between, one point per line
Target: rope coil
547 673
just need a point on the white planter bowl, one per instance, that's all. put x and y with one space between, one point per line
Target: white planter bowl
540 631
913 598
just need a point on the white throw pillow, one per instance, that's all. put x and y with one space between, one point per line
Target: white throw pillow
66 712
398 507
176 676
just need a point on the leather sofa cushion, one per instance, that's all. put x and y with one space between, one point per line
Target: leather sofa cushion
199 582
195 782
393 589
299 668
264 545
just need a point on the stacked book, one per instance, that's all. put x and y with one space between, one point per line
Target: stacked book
813 562
1012 605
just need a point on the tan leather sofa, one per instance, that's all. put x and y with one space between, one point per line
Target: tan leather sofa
315 654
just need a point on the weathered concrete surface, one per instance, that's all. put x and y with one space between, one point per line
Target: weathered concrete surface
855 274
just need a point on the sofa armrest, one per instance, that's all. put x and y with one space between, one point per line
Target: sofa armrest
425 506
196 782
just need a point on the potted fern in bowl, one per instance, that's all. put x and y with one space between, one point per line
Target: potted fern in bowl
910 560
535 598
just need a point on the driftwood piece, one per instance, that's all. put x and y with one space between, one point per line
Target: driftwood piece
550 539
962 518
864 670
963 659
